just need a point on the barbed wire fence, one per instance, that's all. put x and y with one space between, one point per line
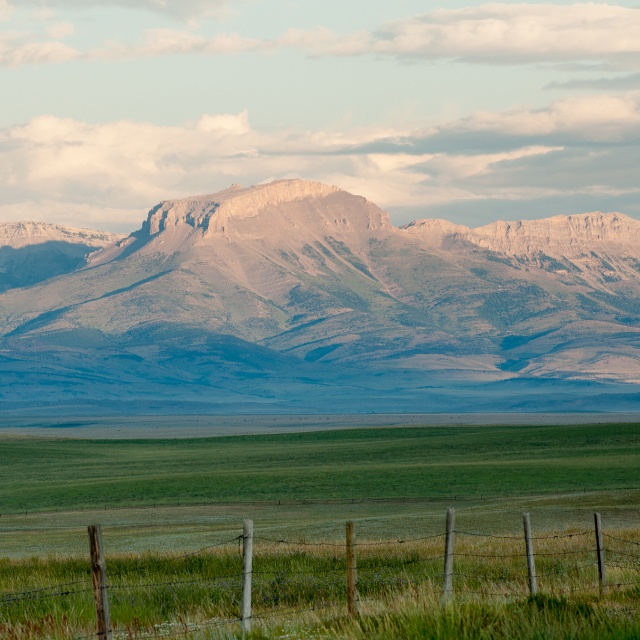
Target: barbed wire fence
350 576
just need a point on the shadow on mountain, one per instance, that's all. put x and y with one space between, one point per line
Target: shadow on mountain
35 263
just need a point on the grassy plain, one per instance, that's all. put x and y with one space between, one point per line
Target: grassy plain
159 499
414 462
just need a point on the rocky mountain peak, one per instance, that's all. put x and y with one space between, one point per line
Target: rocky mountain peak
215 210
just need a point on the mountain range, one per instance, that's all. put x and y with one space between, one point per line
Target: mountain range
295 296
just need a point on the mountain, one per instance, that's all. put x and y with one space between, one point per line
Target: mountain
298 296
31 252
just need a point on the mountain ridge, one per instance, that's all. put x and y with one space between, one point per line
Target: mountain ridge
281 290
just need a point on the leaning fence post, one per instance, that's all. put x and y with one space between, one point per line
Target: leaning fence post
99 575
352 581
531 563
447 591
600 551
247 573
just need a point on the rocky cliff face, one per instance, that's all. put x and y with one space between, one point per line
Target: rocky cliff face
216 211
568 236
602 248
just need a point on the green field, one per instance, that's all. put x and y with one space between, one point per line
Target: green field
180 494
431 462
157 499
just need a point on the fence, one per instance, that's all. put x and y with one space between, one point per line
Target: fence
355 573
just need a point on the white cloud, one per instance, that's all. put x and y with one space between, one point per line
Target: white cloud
181 9
157 42
18 49
498 32
585 149
591 117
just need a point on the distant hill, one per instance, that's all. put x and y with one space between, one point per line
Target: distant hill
31 252
298 296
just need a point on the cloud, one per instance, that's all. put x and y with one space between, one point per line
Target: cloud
602 35
6 10
18 49
180 9
577 150
495 33
157 42
596 117
619 83
503 34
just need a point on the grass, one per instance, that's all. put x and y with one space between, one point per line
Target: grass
38 474
299 592
395 483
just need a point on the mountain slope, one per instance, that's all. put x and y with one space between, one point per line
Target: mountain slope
31 252
290 291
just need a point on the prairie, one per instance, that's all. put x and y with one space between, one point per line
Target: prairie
166 505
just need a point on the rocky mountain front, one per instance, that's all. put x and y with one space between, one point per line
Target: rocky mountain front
273 292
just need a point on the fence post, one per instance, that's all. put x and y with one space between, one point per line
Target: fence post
99 575
353 607
247 572
531 563
600 551
447 591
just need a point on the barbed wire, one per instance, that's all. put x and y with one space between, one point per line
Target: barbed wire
377 576
486 535
574 552
45 596
300 544
177 583
623 584
565 572
622 566
403 541
224 543
606 535
570 590
563 535
485 593
40 593
298 573
342 545
635 556
490 555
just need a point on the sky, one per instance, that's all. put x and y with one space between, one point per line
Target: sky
471 112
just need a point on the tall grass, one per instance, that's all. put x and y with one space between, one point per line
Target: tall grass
299 591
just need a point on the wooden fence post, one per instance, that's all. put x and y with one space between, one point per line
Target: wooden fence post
353 606
99 575
247 573
531 563
447 591
600 551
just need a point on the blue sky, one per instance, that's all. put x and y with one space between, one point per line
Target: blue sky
466 111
